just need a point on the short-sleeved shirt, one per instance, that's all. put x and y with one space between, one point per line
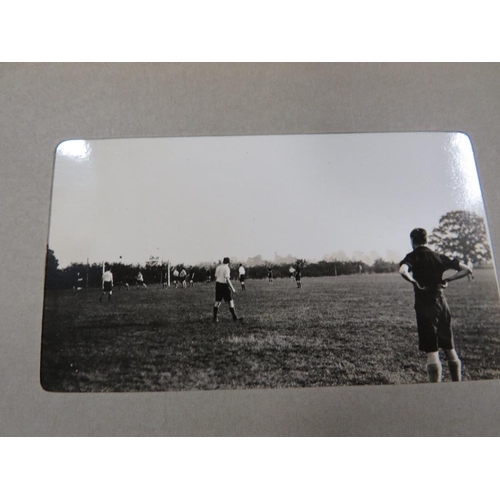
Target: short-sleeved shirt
176 273
242 271
427 268
221 273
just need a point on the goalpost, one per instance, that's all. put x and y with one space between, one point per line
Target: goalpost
167 281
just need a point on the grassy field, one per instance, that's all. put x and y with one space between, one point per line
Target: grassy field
348 330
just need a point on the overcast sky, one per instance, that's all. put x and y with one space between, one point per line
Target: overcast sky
194 200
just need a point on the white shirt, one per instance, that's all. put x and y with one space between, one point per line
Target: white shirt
176 273
241 270
107 276
183 273
292 270
139 277
221 273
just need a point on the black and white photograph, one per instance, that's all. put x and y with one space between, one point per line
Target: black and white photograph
278 261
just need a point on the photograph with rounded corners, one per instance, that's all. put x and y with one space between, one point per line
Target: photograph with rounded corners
203 263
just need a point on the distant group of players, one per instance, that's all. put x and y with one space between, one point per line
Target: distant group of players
185 278
423 268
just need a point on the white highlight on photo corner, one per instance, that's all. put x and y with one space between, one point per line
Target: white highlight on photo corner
74 149
465 178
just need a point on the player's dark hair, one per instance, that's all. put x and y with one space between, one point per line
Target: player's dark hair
226 260
419 236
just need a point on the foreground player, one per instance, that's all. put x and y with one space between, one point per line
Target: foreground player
424 269
223 289
107 284
241 274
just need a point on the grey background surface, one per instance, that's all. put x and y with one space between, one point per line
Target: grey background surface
43 104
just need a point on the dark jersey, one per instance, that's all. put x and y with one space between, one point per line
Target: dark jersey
427 268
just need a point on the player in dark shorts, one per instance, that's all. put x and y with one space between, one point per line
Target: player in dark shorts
270 274
78 286
123 284
208 275
298 276
107 284
241 275
224 290
139 281
175 274
424 269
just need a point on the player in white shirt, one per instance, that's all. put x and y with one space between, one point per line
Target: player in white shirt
191 277
176 276
291 270
107 284
241 273
182 276
223 289
139 281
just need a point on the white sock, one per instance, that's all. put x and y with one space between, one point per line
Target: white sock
434 368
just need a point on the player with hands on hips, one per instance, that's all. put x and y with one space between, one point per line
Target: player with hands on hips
424 269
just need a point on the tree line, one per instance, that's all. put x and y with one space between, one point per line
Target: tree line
461 234
83 275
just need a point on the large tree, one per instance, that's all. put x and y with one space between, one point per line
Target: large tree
462 234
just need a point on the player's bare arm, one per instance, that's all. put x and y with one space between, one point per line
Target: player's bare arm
464 271
404 271
228 281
